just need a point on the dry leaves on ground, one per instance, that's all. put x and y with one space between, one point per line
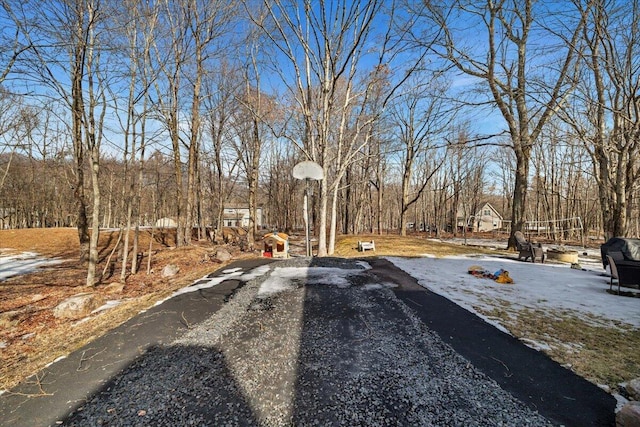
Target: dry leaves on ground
31 337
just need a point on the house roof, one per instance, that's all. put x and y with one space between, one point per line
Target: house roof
278 236
489 205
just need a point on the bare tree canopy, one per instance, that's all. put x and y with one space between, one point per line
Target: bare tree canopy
129 114
526 82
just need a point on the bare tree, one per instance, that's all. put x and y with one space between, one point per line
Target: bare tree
13 39
221 90
10 129
76 26
465 166
137 23
606 114
506 65
255 109
419 117
210 20
191 29
377 181
93 112
10 49
325 46
283 191
65 23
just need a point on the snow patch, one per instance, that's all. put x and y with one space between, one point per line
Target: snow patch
365 265
377 286
557 290
107 305
285 278
546 287
56 360
209 282
22 263
536 345
620 401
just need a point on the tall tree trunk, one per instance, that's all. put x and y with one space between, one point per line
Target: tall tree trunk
322 215
95 220
253 177
404 196
77 107
520 195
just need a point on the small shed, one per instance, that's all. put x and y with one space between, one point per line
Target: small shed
276 245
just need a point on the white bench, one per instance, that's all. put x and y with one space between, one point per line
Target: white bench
364 246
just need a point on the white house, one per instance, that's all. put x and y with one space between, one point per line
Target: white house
239 217
487 218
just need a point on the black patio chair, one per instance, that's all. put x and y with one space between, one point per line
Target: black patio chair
626 272
527 249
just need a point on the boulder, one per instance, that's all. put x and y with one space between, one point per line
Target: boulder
629 415
78 306
170 270
223 255
633 389
9 319
114 288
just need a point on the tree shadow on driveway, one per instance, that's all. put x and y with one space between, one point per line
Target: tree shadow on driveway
169 386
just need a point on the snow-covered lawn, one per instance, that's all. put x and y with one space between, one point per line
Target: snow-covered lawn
555 289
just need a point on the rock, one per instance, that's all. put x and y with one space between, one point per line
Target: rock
78 306
9 319
37 297
170 270
633 389
223 255
629 415
114 288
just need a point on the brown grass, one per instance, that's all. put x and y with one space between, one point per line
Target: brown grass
602 354
409 246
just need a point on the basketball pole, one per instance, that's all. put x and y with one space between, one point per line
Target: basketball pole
305 208
307 170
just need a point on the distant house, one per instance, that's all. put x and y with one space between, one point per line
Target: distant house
166 223
239 217
487 218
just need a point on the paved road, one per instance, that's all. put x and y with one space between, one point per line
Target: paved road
313 354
